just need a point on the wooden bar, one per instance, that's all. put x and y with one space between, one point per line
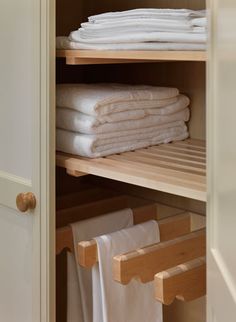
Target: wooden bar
144 263
186 282
170 228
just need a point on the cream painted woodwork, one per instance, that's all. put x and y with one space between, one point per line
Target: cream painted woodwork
222 163
25 134
27 162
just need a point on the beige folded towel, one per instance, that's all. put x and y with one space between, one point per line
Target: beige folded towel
78 122
93 147
102 99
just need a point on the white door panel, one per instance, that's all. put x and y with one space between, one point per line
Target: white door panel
222 163
17 86
25 240
15 266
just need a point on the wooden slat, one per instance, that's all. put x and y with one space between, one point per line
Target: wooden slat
164 164
184 150
185 282
175 168
170 158
170 228
140 213
82 57
144 263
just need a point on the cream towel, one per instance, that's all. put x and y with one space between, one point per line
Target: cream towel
106 98
181 104
176 37
86 230
113 302
93 147
65 43
149 13
78 122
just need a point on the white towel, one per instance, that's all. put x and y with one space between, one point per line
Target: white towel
201 22
114 302
86 230
65 43
74 307
93 147
119 22
176 37
78 122
106 98
149 13
135 28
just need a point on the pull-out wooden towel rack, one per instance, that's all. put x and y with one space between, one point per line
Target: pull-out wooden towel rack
64 236
144 263
185 282
170 228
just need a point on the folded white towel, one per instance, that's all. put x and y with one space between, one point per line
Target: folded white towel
149 13
78 122
201 22
113 301
127 22
101 99
86 230
136 28
93 147
65 43
176 37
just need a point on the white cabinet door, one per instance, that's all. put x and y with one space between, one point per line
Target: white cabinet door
222 163
25 258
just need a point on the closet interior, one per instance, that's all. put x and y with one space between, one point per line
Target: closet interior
166 183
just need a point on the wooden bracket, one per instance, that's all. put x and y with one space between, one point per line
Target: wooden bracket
185 282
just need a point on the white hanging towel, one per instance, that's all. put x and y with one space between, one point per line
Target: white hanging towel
74 307
86 230
113 302
106 98
65 43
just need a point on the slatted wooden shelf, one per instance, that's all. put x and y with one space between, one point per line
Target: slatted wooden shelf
178 168
88 57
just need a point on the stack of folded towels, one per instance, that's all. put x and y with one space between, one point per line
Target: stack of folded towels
140 29
95 120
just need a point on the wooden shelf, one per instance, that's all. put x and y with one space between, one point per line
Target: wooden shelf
91 57
178 168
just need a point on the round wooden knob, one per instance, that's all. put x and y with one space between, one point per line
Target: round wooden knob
26 201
